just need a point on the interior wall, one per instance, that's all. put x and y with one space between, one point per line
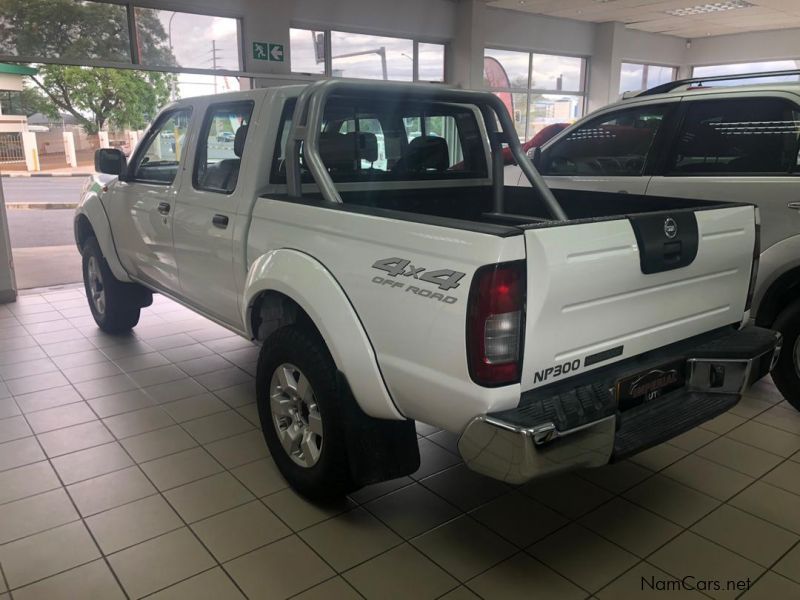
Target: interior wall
745 47
515 29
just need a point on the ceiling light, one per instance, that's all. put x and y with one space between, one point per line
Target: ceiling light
711 7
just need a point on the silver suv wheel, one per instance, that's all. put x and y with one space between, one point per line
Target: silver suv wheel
295 415
96 288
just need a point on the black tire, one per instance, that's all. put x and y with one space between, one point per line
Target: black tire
329 477
118 312
786 373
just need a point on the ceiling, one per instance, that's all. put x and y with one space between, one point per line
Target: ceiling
653 15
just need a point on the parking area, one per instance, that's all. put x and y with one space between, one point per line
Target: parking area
134 466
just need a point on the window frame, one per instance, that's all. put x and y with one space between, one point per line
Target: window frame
645 67
152 132
670 156
203 138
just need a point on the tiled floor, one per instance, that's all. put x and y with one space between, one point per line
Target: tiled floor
133 466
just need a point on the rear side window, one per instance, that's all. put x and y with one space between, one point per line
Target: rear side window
737 136
612 144
219 152
165 144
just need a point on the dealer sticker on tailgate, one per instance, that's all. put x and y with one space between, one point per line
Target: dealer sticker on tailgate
649 385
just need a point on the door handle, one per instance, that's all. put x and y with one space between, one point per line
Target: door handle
794 205
220 221
163 208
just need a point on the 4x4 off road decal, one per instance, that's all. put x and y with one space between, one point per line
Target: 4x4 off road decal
444 279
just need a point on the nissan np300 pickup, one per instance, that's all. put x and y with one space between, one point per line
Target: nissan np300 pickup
362 234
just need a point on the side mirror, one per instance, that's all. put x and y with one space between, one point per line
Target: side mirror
535 154
110 161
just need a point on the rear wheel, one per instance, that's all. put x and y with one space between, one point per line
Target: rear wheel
113 308
302 415
786 373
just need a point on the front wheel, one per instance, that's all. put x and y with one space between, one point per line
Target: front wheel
786 373
302 415
113 309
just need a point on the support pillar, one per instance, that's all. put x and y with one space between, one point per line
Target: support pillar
31 151
8 282
69 149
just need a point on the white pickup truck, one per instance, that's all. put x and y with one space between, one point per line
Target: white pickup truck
548 333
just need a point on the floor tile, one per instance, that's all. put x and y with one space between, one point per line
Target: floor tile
739 457
181 468
789 565
158 443
34 514
91 371
19 355
59 417
223 378
194 407
617 477
122 402
658 457
138 421
710 478
767 438
672 500
633 528
36 383
239 449
156 375
109 491
72 439
412 510
261 477
583 557
92 462
335 587
57 396
376 490
238 395
519 518
522 576
782 418
350 538
203 364
26 481
131 523
92 580
464 488
106 386
184 353
298 513
693 439
785 476
175 390
14 428
209 496
161 562
567 494
755 539
772 586
20 452
689 554
271 572
401 573
772 504
27 368
38 556
433 458
644 581
723 423
8 408
209 585
750 406
217 426
239 530
79 359
138 362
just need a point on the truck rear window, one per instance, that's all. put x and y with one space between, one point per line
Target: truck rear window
398 141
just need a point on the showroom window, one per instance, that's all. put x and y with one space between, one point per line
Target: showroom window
363 56
752 67
538 89
634 76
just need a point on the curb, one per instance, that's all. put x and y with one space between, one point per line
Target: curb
13 175
40 205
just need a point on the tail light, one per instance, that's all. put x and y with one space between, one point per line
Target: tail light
495 316
754 269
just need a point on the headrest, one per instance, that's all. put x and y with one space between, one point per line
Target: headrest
238 140
342 150
427 152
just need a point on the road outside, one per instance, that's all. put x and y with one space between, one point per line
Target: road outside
42 190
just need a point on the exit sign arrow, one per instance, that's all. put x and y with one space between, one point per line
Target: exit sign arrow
276 52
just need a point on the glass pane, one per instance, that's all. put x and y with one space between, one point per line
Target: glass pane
169 38
552 109
307 51
739 136
160 161
615 144
754 67
189 85
219 157
560 73
68 29
431 62
657 75
505 69
371 56
631 77
516 104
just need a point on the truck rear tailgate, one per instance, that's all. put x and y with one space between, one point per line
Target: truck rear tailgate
602 291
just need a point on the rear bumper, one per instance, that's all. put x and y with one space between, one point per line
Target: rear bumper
578 423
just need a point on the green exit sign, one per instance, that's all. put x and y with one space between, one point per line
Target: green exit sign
268 51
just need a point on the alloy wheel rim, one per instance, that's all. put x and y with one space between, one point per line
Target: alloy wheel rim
96 288
295 415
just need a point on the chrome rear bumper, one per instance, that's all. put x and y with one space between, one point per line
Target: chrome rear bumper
506 447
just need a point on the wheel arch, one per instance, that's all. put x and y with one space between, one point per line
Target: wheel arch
781 292
91 219
288 286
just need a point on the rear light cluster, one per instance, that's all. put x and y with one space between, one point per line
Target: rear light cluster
495 318
754 269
